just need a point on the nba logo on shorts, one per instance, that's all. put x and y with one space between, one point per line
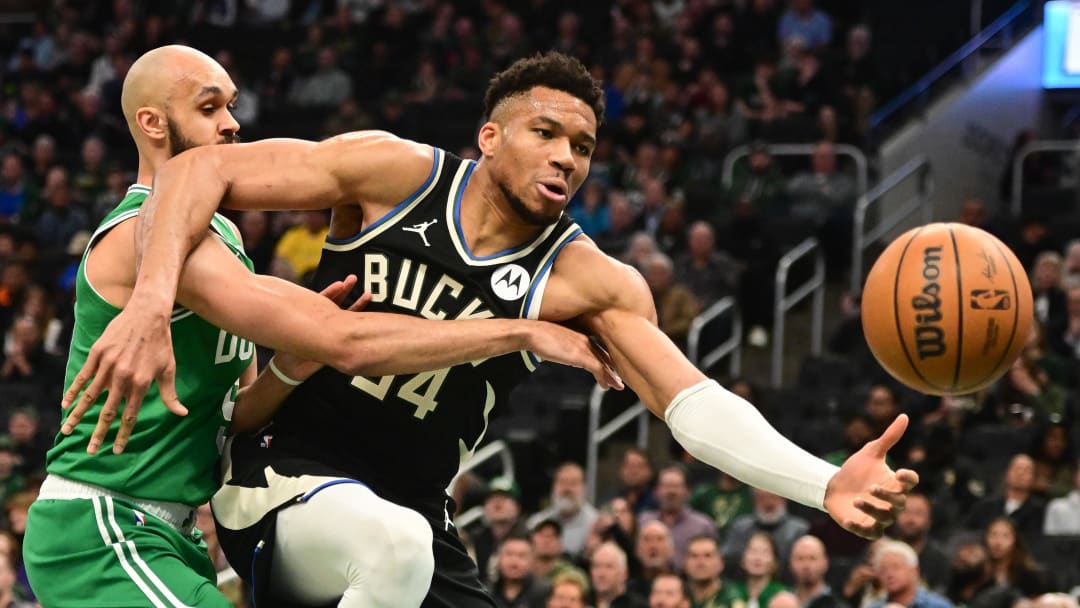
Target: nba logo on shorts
140 519
265 441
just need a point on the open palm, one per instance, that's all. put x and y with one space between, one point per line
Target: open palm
865 495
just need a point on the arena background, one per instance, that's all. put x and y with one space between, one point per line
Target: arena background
798 137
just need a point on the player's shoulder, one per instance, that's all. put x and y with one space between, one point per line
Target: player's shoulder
383 143
378 167
599 278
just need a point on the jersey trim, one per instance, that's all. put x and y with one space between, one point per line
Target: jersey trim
453 218
395 214
102 229
530 308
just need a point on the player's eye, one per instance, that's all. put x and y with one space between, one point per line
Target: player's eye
584 150
545 133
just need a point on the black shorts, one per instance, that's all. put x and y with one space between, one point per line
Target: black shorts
456 582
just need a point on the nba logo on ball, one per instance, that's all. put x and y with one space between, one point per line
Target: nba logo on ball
946 309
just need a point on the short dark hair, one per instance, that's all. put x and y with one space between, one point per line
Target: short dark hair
552 70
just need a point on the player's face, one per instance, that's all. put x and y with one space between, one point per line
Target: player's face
545 145
199 112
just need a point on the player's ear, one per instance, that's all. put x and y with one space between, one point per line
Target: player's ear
152 122
490 138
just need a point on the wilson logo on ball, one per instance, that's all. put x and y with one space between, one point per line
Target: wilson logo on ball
990 299
929 336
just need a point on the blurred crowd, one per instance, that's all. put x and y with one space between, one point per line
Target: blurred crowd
689 83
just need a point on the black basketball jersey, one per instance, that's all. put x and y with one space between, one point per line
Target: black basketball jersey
406 435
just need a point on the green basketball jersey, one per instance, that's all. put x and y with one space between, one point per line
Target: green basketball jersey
169 457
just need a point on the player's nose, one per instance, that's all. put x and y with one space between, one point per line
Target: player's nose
562 157
229 127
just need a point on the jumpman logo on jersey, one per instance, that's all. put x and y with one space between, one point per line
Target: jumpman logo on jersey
421 229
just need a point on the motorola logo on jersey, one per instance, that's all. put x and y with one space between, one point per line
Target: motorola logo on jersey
510 282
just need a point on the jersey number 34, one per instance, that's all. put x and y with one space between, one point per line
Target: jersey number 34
420 390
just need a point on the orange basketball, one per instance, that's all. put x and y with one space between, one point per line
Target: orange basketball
947 308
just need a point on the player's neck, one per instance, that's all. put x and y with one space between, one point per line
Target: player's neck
487 221
149 163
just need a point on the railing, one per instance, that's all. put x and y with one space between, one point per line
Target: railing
598 434
861 167
499 449
862 239
920 89
1033 147
814 286
731 346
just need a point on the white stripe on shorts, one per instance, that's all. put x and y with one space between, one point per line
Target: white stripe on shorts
132 574
161 587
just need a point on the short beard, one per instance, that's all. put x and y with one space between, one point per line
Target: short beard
179 143
528 216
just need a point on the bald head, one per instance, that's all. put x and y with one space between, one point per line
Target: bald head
176 97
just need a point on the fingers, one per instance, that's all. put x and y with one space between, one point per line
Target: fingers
891 435
88 398
166 382
88 372
908 478
127 421
361 302
883 513
896 499
611 377
104 421
337 290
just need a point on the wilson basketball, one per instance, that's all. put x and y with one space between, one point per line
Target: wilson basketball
947 308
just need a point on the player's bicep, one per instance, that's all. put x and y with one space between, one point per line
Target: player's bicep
215 285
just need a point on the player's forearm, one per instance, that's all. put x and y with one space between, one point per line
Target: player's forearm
721 429
383 343
172 221
257 403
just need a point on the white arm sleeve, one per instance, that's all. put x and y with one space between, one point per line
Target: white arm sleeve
726 432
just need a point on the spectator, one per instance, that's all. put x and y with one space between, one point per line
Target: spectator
60 219
1032 237
704 568
621 225
549 559
809 563
913 527
784 599
515 585
591 210
971 581
502 517
723 500
258 242
635 478
1063 514
825 198
760 563
28 361
803 22
1071 265
668 591
1051 308
89 180
897 567
609 572
862 588
770 517
1016 501
1071 338
683 522
328 86
655 553
16 191
569 507
31 442
676 305
8 596
710 274
758 182
569 590
1055 461
11 481
301 246
1009 558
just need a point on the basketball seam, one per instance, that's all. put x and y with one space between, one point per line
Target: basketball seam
960 312
896 313
1016 309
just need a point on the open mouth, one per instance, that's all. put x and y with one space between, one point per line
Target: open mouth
552 191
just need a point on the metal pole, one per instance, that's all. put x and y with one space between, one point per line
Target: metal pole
817 328
736 353
592 452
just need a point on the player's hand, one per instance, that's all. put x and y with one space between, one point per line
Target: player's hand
134 351
556 343
301 369
865 495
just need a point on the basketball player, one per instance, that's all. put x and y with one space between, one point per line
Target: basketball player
436 236
119 530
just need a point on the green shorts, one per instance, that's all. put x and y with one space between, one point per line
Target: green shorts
104 552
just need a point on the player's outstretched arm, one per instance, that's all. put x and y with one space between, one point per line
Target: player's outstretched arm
373 167
714 425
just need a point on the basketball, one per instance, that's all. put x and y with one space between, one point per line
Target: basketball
947 308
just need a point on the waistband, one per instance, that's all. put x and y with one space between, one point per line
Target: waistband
179 516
